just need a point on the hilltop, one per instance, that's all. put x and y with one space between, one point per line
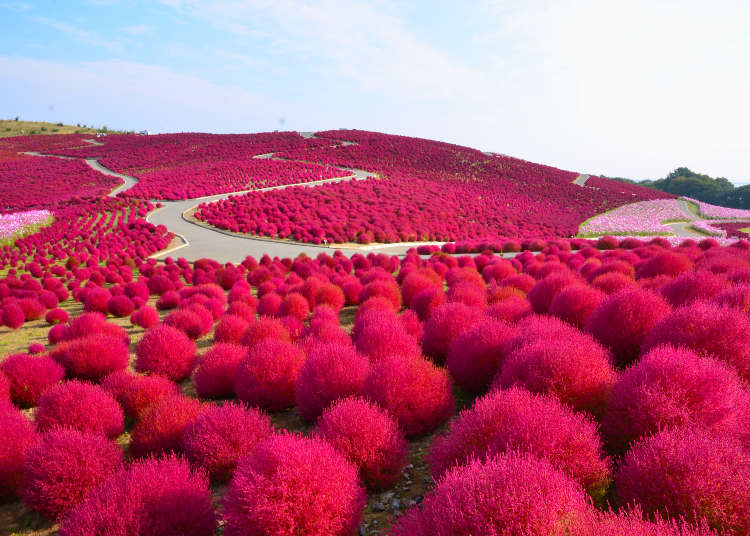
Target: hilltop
17 127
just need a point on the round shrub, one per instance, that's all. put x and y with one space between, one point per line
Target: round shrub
12 316
630 522
269 304
166 351
691 286
30 376
221 435
162 424
145 317
668 263
469 294
576 371
96 300
708 330
265 328
736 297
58 333
475 355
120 306
416 392
92 357
217 370
187 321
368 437
331 371
330 295
383 288
575 303
36 348
293 485
56 316
544 291
426 301
623 319
267 375
296 305
80 406
670 387
505 495
517 420
379 334
230 329
511 309
446 323
689 473
135 393
153 497
168 300
18 436
5 400
63 466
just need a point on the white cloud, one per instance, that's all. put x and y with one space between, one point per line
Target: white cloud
138 29
80 34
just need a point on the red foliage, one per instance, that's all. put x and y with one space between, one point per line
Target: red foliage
416 392
475 355
217 369
221 435
166 351
267 375
145 317
446 323
575 303
293 485
161 425
63 466
153 497
135 393
91 357
80 406
689 473
30 376
517 420
265 328
18 436
369 438
331 371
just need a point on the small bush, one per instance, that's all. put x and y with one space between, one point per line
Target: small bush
30 376
161 426
18 436
446 323
92 357
217 370
80 406
135 393
475 355
166 351
267 375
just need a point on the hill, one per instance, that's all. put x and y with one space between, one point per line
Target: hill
15 127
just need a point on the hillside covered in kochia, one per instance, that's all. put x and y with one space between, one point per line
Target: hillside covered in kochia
685 182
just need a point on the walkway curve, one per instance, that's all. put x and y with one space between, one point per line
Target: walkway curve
581 180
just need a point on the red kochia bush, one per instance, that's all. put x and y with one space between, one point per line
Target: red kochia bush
708 330
153 497
56 316
135 393
426 301
217 369
12 316
92 357
63 467
630 522
446 323
380 333
413 390
120 306
691 286
145 317
166 351
265 328
221 435
574 303
519 420
475 355
81 406
665 263
18 436
5 400
690 473
293 485
544 291
505 495
577 371
330 295
267 375
623 319
369 438
187 321
230 329
30 376
670 387
331 371
161 425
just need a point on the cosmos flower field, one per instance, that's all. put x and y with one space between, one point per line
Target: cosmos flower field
511 379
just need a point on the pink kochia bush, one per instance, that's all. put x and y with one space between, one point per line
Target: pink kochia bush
575 303
416 392
292 485
30 376
577 371
63 467
445 324
518 420
505 495
689 473
708 330
18 436
671 387
267 375
331 371
92 357
630 522
221 435
135 392
369 438
475 355
152 497
167 351
161 426
80 406
622 321
145 317
217 370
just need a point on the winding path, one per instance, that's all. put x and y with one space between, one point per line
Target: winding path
581 180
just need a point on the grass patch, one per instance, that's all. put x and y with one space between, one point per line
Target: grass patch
12 127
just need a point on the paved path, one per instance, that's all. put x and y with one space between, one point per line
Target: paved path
685 208
128 183
581 180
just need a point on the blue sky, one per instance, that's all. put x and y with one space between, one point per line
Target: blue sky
619 88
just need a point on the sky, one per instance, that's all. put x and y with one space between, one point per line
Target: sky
620 88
